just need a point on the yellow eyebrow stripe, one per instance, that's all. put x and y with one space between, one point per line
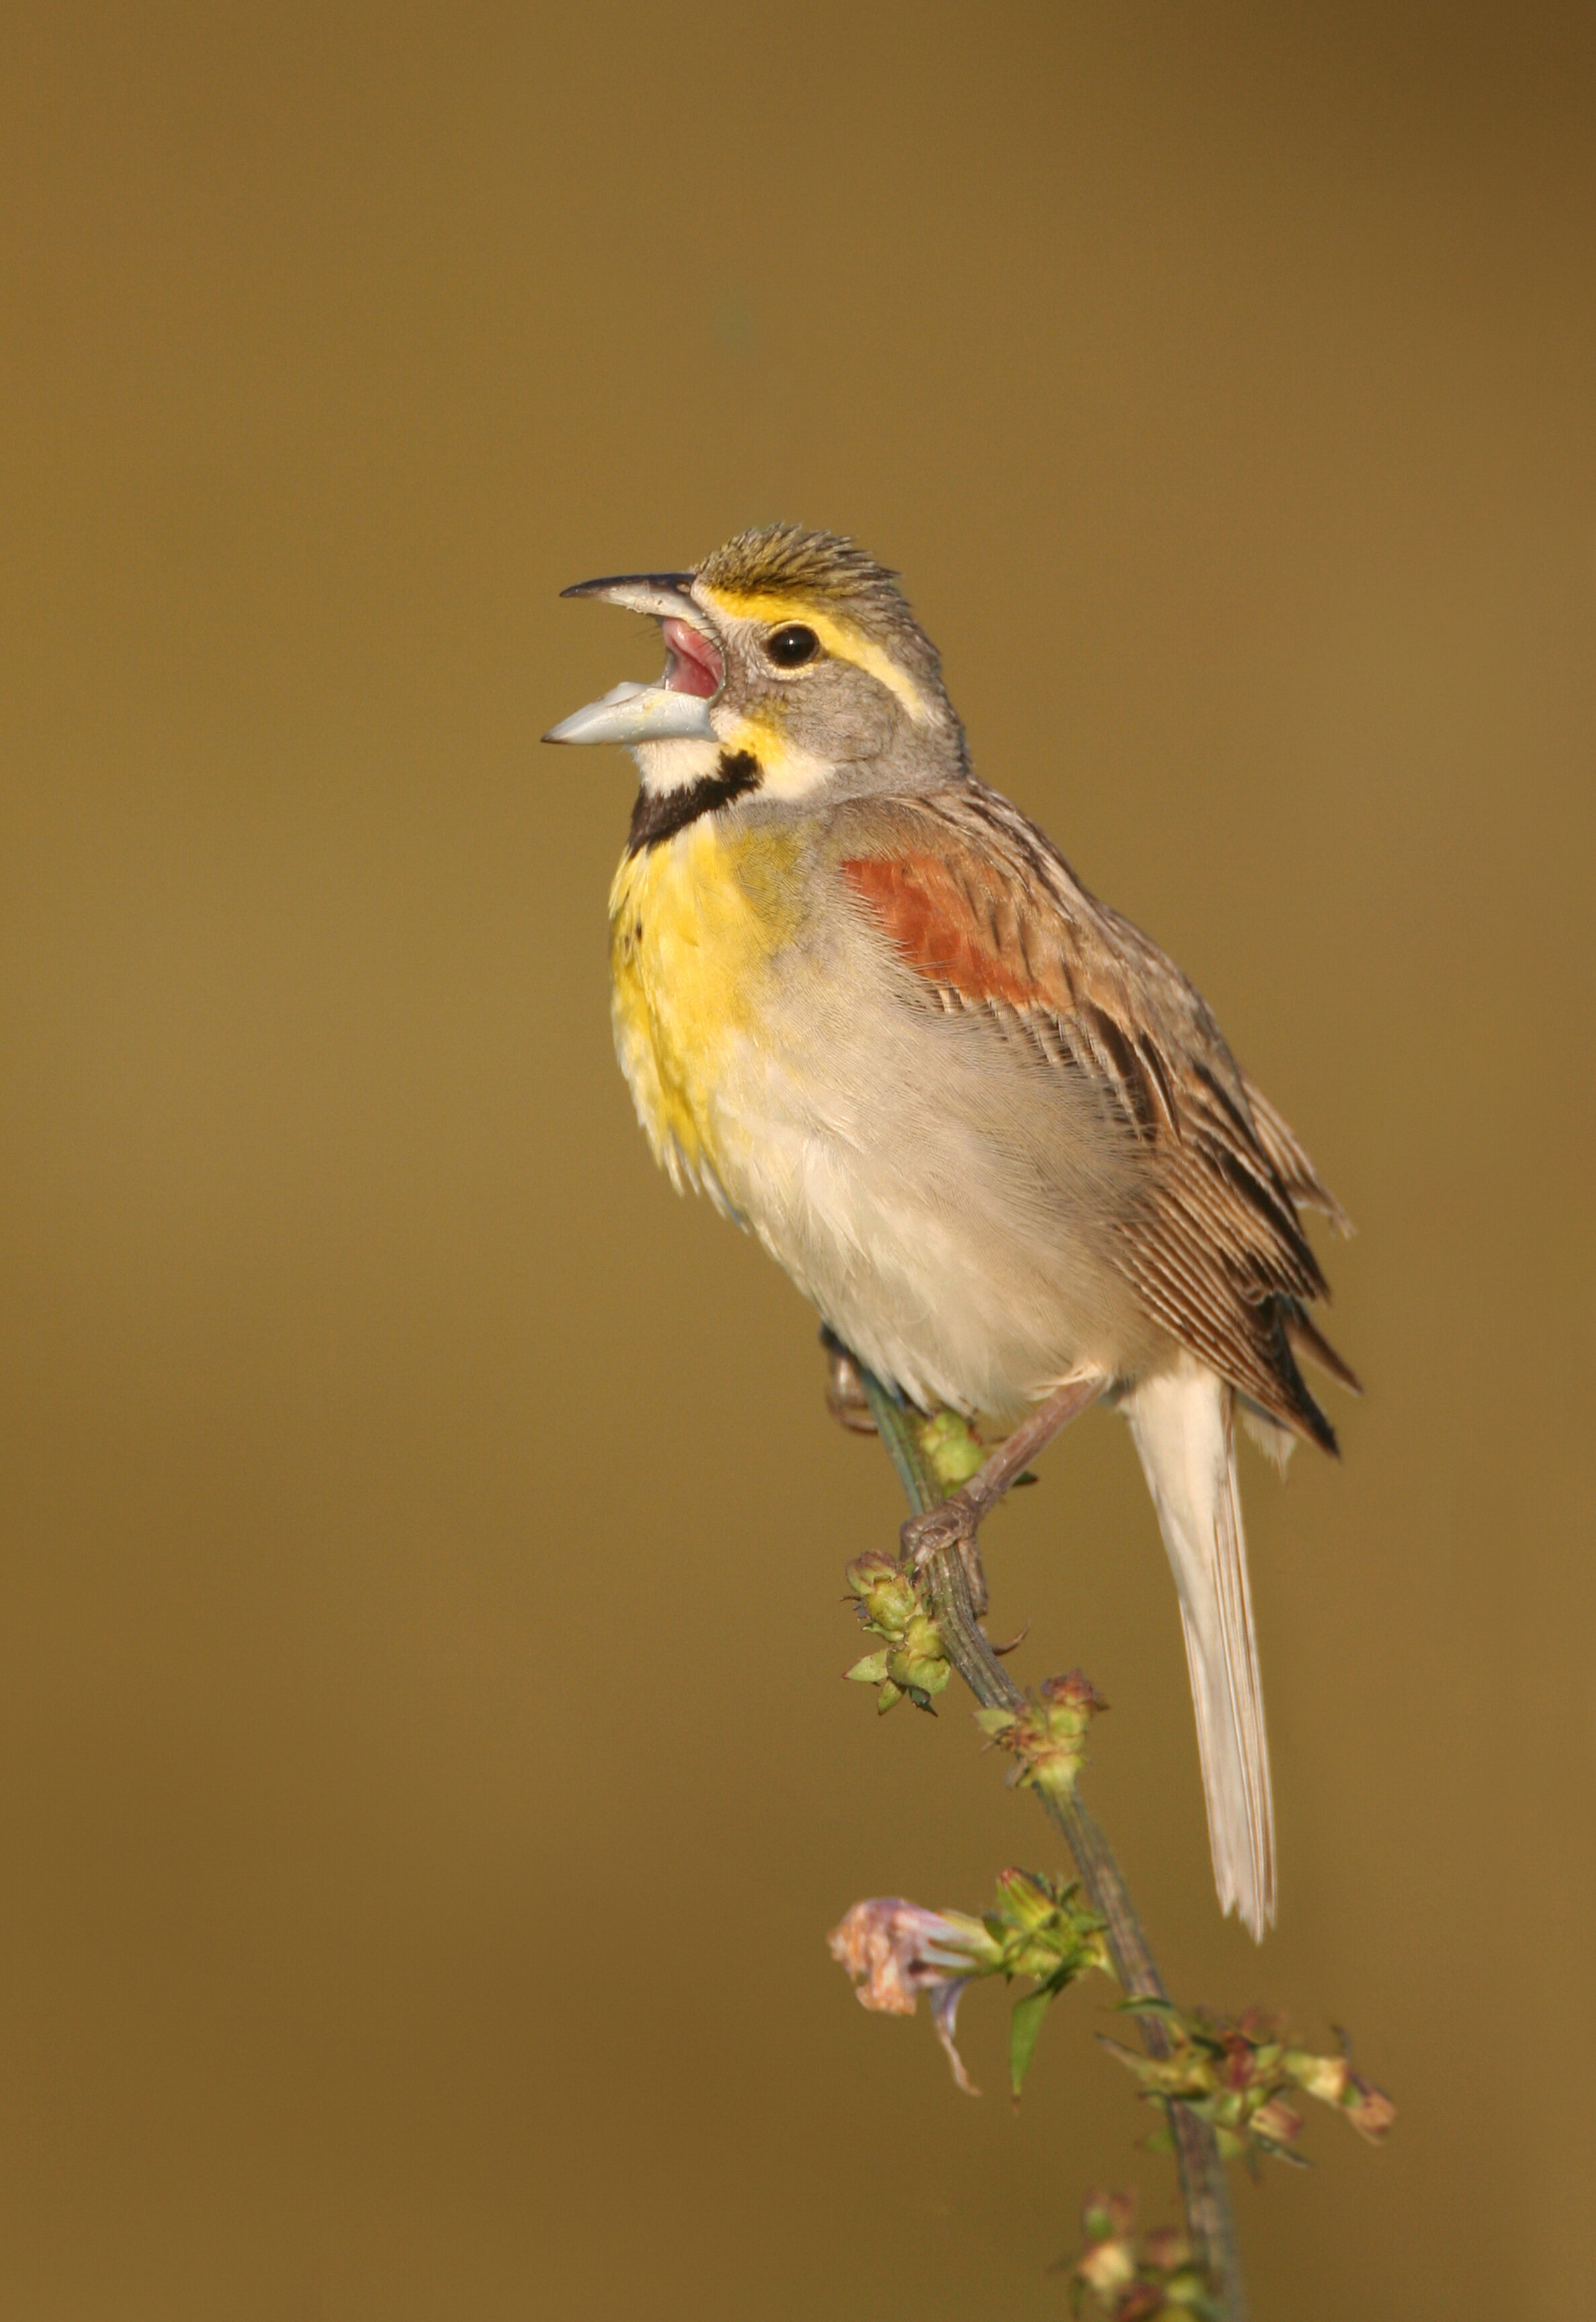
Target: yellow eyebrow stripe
841 640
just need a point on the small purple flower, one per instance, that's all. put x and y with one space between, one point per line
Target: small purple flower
894 1949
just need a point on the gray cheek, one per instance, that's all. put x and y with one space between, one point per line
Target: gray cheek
845 719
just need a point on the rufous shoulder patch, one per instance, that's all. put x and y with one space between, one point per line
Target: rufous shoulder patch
947 934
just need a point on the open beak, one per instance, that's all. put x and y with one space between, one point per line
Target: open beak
676 709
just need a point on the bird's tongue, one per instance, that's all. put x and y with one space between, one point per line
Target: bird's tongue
695 666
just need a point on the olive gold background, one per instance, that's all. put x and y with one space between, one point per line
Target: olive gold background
424 1779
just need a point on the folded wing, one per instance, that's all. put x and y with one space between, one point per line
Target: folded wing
995 925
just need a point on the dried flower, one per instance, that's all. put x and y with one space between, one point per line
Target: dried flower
1108 2263
1369 2110
1331 2079
894 1949
1275 2125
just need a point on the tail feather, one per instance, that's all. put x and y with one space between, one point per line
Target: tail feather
1184 1424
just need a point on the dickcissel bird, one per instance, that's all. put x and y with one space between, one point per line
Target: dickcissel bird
987 1126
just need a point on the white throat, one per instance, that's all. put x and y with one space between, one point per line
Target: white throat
675 765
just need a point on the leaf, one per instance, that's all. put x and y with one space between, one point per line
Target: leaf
1283 2153
1023 2026
871 1670
1144 2003
1144 2067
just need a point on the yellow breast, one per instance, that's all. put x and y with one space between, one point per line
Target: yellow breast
695 924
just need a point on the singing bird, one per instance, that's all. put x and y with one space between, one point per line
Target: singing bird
987 1126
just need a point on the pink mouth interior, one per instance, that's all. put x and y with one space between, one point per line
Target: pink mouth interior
694 666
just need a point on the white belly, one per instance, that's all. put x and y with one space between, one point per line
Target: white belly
954 1273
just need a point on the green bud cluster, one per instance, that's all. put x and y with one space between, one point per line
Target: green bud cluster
1047 1735
1136 2278
949 1447
1240 2076
1040 1928
891 1602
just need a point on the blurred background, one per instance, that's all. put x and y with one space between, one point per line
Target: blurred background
424 1779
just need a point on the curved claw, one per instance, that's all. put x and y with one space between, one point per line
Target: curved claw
951 1526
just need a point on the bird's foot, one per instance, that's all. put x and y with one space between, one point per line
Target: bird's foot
952 1524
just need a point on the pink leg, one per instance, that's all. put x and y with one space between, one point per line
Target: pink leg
959 1519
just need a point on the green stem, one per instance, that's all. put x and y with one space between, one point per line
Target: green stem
1205 2191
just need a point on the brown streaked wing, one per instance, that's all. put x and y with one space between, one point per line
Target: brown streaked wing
983 907
1297 1173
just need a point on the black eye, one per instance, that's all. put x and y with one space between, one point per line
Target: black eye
791 647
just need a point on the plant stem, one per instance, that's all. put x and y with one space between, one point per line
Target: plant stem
1205 2191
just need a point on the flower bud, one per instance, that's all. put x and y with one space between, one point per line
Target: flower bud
1324 2077
1276 2123
1369 2110
952 1449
